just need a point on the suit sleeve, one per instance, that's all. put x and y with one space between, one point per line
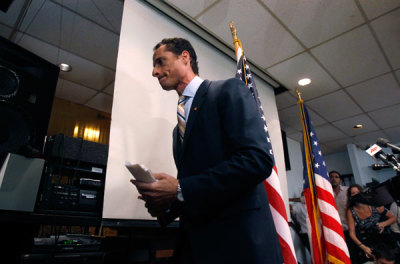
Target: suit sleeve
248 164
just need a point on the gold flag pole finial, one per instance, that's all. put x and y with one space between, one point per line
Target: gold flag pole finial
233 30
299 95
236 41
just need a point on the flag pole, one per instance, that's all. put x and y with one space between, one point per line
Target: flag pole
310 172
238 49
326 233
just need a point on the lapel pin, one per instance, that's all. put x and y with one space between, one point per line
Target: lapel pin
195 109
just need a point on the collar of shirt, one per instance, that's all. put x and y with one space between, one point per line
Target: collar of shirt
190 91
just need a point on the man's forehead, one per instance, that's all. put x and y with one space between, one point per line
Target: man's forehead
160 52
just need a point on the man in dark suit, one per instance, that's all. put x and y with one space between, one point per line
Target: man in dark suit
221 155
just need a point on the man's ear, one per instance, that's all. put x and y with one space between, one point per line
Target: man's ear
185 56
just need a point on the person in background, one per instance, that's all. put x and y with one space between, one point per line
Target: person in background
299 213
340 194
366 228
221 154
385 254
395 227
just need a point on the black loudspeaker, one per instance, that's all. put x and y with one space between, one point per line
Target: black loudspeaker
76 149
5 4
27 88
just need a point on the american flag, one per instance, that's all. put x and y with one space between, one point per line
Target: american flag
324 227
272 184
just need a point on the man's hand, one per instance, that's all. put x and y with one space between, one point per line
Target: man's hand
159 193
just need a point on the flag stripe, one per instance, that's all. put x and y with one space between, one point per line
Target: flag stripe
280 219
332 236
327 209
340 254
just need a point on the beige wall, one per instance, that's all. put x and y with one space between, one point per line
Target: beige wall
143 115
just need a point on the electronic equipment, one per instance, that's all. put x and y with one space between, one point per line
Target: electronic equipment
28 85
74 176
389 159
64 147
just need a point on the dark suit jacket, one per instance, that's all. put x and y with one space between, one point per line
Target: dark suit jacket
222 165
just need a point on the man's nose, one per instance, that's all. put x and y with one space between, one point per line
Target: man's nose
155 72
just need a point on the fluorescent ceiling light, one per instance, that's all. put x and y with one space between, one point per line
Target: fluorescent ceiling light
304 82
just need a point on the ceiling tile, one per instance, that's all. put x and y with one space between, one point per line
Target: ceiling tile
10 17
264 40
297 136
5 31
192 8
335 106
44 23
287 129
291 117
104 12
387 117
100 77
112 10
304 66
95 43
387 29
394 134
38 47
314 21
375 8
328 132
376 93
109 89
102 102
368 138
316 119
338 145
355 52
284 100
73 92
346 125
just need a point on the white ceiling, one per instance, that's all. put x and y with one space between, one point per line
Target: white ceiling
349 48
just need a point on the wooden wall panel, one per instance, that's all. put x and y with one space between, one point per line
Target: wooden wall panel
72 119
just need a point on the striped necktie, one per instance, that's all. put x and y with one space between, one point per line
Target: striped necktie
181 116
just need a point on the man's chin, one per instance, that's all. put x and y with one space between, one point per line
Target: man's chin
167 88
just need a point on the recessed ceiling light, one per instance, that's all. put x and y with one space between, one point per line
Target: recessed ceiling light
358 126
65 67
304 81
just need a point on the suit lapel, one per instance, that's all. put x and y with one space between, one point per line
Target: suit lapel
194 110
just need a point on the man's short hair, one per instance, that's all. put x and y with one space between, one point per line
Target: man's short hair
340 175
177 46
384 251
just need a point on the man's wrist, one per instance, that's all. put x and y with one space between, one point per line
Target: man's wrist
179 194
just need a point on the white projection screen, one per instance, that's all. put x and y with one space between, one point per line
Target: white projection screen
144 115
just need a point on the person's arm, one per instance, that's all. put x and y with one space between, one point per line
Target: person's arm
390 218
352 233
